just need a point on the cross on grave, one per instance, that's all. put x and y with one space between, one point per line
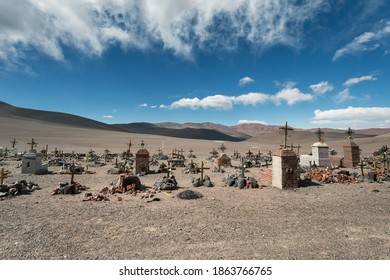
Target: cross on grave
129 145
142 143
361 165
3 175
214 152
349 132
319 133
191 151
249 154
295 147
13 143
202 168
33 144
72 173
286 131
223 148
181 152
242 167
46 151
5 152
159 152
236 154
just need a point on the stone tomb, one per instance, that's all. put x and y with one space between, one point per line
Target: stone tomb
319 157
351 155
32 163
142 161
284 169
222 160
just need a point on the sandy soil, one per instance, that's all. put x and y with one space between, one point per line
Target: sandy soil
318 222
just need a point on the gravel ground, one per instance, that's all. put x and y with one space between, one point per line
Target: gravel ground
318 222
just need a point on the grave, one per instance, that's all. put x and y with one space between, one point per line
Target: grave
222 160
285 164
142 161
32 161
351 151
320 153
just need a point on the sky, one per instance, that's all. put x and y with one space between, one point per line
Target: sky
313 63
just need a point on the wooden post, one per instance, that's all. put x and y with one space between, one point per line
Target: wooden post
72 173
13 143
3 175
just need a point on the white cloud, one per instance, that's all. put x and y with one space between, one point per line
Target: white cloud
223 102
321 88
245 81
178 26
343 96
108 117
358 117
291 96
153 106
251 121
353 81
143 105
367 41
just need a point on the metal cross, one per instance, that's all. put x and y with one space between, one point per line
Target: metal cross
349 132
13 143
319 134
223 148
4 175
33 144
286 130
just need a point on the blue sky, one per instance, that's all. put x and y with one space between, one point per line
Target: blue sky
314 63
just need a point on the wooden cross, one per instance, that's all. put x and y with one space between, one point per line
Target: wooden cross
129 145
201 171
349 132
236 154
223 148
214 152
72 169
181 152
142 143
13 143
159 152
319 134
249 154
286 130
361 165
3 175
55 151
33 144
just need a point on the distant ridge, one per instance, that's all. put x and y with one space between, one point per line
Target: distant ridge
7 110
186 132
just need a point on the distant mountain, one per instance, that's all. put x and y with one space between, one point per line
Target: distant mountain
179 131
7 110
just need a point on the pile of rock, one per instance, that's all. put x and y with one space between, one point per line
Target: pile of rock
206 182
96 197
166 183
69 188
240 182
18 188
325 176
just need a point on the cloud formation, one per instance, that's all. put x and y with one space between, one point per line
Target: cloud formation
245 81
354 81
222 102
358 117
321 88
108 117
178 26
367 41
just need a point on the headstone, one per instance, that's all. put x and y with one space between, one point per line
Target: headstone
142 161
284 169
320 154
351 155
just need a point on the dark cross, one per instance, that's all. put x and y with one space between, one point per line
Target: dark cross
116 162
191 151
159 152
174 153
286 130
236 154
5 152
349 132
201 171
319 134
266 163
214 152
33 144
3 175
13 143
181 152
295 147
129 145
249 154
223 148
72 169
55 152
242 168
106 153
361 165
142 143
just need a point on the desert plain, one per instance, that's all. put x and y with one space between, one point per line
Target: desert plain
329 221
